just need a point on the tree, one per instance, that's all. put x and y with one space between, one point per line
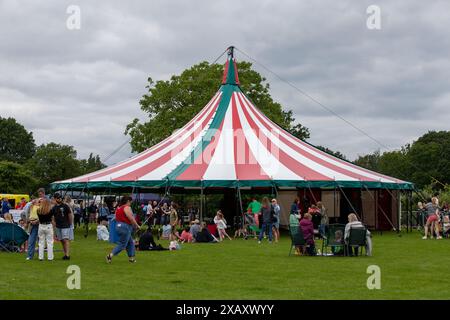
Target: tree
337 154
171 104
15 178
93 163
369 161
424 162
16 143
430 159
54 162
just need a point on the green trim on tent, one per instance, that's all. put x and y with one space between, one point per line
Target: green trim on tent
233 184
227 91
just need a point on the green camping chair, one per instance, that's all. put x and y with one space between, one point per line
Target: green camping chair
357 238
334 238
11 237
297 239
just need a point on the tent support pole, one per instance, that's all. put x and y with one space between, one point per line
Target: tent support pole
86 215
334 203
240 205
348 201
382 211
397 203
201 201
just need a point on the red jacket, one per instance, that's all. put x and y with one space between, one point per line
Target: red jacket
308 230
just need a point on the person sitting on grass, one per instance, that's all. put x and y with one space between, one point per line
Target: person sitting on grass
102 230
354 223
195 228
204 235
307 228
146 242
186 236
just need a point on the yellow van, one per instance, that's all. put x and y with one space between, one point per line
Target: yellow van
14 199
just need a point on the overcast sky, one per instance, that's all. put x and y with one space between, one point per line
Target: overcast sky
82 87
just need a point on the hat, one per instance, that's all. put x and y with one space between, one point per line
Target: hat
197 221
57 195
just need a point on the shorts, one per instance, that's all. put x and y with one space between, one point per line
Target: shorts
432 218
64 234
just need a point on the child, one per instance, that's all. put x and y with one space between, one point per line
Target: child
186 236
446 225
338 240
221 226
102 231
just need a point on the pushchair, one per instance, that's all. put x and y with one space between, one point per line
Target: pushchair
252 224
240 226
12 237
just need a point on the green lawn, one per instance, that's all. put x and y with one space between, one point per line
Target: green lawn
411 268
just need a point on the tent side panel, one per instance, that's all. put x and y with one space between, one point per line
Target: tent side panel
285 199
369 208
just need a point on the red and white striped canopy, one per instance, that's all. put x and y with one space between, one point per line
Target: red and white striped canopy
231 143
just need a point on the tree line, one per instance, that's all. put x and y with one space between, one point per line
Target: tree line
24 166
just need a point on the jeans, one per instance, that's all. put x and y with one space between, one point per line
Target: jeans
264 227
45 236
126 241
322 229
32 240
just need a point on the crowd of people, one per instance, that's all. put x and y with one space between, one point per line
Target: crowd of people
314 224
44 218
433 218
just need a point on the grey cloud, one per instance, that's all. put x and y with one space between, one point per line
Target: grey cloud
393 83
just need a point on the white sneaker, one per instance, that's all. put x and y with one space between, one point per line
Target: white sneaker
424 238
438 238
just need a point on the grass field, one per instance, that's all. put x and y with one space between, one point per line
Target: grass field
411 268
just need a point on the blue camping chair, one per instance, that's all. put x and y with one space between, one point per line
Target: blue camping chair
11 237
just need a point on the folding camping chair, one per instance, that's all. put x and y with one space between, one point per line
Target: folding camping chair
297 239
11 237
334 238
357 238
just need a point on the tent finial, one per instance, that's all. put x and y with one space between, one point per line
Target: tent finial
230 52
230 72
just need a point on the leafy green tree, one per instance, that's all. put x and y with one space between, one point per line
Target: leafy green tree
15 178
425 162
171 104
93 163
396 164
53 162
337 154
369 161
16 143
430 159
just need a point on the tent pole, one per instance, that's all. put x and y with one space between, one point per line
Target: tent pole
334 203
348 201
240 205
362 206
410 211
397 202
86 215
201 200
382 211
